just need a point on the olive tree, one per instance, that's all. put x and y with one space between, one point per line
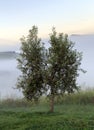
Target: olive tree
31 64
53 71
63 66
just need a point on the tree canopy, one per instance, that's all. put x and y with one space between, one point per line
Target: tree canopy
52 71
31 64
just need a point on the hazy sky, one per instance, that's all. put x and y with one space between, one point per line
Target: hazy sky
68 16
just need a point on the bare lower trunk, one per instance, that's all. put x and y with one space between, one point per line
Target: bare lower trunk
52 103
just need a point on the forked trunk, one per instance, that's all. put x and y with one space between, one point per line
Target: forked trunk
52 103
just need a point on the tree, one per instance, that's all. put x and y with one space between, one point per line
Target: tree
53 71
63 65
31 64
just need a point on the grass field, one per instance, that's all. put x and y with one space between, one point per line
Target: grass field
75 112
65 117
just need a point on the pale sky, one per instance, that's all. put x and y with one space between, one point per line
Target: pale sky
68 16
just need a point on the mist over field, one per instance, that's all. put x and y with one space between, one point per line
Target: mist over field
9 71
8 74
85 44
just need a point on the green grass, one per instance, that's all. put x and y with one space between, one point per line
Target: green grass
72 112
65 117
82 98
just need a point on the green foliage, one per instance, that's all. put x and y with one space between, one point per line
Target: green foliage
53 71
64 63
31 64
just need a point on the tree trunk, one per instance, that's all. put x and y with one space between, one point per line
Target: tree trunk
52 103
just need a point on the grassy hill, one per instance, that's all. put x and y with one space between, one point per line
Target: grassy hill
74 112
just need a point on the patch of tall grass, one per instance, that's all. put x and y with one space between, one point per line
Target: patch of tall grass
10 102
83 97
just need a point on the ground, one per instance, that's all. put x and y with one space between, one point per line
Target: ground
65 117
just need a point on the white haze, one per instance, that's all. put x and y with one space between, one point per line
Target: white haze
85 44
9 72
8 78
